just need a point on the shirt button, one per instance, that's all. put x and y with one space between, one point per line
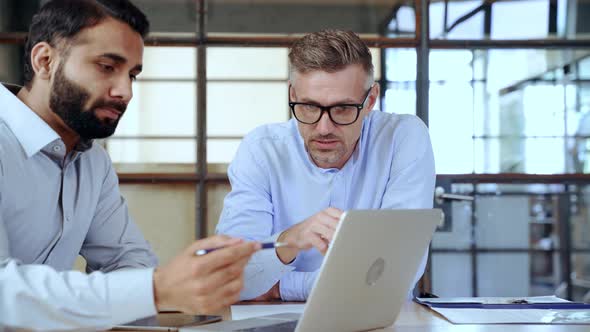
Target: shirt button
68 218
56 148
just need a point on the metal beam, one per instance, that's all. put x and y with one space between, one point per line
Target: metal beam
509 44
201 125
565 254
483 7
422 63
552 17
473 250
377 42
192 40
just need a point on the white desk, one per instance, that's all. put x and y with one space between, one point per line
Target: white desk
415 317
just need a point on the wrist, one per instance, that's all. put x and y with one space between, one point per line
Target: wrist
277 291
286 254
157 289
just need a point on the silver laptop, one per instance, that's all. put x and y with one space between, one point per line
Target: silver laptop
365 278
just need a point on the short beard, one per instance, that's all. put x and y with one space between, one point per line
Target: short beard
323 156
67 100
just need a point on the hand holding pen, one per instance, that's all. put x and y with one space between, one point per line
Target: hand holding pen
263 245
204 284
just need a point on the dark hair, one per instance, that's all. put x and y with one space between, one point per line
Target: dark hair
60 20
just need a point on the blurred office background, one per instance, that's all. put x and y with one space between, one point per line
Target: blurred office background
503 86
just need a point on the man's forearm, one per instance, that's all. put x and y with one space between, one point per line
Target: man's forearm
38 297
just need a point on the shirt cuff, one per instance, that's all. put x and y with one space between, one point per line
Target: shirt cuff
263 271
296 286
272 258
135 284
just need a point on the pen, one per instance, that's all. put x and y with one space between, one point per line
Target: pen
264 245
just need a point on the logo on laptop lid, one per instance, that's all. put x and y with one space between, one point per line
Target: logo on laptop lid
375 271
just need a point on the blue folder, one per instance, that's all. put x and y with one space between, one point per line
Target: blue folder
517 304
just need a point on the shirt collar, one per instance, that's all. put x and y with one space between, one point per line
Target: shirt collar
31 131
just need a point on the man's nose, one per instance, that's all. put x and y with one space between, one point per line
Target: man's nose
122 90
325 125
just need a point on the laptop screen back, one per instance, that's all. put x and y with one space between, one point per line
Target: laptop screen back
369 269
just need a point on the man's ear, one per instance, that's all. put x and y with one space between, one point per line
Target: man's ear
43 59
291 91
374 96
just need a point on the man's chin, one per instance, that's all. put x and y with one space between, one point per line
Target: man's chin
98 134
324 157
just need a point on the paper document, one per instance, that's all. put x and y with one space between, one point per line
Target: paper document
257 310
514 316
509 310
495 300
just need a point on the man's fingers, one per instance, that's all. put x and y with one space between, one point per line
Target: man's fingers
328 219
227 293
230 293
226 274
333 212
304 245
329 222
318 243
324 231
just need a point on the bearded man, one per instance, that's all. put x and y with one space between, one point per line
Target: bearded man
59 193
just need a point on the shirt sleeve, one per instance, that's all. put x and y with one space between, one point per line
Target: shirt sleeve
297 285
248 214
113 240
39 297
412 177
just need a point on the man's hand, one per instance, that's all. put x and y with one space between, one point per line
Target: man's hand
204 284
314 232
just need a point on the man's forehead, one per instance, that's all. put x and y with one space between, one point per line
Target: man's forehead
319 82
111 36
351 74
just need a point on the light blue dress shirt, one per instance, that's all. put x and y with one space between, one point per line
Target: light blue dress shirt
276 185
53 207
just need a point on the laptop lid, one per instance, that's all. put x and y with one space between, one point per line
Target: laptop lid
369 269
365 277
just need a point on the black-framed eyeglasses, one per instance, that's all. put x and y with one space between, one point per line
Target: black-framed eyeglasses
341 114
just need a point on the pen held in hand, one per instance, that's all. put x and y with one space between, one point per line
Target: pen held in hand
263 245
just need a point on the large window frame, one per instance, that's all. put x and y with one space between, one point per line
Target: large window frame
421 41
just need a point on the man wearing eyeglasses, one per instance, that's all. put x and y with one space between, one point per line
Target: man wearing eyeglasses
292 181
